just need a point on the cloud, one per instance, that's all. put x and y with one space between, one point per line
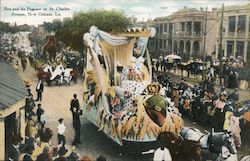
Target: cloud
83 1
37 1
110 7
141 10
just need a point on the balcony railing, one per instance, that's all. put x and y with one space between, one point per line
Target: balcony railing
231 34
241 34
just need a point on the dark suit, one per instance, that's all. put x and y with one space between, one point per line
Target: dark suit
12 152
39 90
77 126
39 113
74 104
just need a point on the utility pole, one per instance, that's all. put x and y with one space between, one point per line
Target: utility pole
220 47
204 45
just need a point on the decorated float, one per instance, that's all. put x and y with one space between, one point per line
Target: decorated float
119 95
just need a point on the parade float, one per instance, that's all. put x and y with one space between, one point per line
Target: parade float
119 95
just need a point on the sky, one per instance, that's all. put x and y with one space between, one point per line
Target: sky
34 12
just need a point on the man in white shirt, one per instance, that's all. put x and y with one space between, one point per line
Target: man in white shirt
42 119
61 132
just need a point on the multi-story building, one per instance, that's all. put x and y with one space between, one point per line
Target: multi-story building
236 31
183 33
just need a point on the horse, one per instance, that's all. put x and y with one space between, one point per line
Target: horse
179 148
44 76
212 144
74 74
50 48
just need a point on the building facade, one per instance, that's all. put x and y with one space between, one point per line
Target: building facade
236 31
183 33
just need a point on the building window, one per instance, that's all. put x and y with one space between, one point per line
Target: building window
240 48
165 44
161 28
170 45
170 28
165 27
230 48
156 44
189 27
151 44
157 28
175 46
242 23
160 43
182 26
231 23
197 27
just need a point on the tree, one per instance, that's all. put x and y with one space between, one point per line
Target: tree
5 27
52 26
72 31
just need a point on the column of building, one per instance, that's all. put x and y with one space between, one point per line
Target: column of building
226 26
235 35
162 39
168 36
192 40
246 37
2 139
173 34
159 40
185 35
22 122
218 39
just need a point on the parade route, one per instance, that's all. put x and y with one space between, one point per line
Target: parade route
56 103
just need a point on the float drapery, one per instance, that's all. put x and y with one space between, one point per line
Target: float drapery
117 55
112 40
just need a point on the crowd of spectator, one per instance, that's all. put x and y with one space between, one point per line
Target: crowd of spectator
37 144
208 106
229 69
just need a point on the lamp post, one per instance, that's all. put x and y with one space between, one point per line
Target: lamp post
220 47
204 45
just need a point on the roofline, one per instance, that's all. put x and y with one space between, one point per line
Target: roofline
234 8
13 108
